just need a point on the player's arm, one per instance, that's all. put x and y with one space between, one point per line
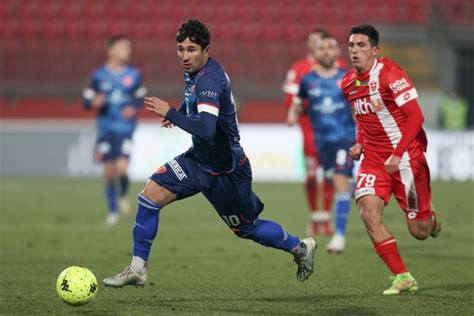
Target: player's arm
296 107
405 96
202 125
138 92
291 85
358 148
92 97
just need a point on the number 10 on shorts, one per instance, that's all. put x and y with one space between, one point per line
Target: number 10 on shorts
231 220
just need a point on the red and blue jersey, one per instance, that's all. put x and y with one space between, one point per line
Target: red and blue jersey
121 88
208 113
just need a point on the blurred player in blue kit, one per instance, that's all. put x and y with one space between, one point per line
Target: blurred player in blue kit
334 127
115 91
215 165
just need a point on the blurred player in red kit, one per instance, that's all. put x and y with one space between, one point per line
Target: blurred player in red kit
320 215
393 142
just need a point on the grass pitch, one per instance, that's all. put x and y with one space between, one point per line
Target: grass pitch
199 267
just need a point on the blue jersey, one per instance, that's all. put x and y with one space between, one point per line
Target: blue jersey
122 88
329 111
209 90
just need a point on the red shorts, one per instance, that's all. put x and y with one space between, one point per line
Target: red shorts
309 145
410 185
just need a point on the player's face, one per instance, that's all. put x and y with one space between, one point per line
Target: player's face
313 39
327 52
121 51
191 56
361 52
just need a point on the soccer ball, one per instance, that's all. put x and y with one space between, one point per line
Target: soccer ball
76 286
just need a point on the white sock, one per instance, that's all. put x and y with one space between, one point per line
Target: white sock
138 264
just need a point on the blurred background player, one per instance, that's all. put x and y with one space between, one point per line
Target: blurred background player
116 93
315 180
390 134
215 165
334 128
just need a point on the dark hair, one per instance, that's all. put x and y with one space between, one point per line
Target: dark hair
114 39
320 30
326 36
196 31
368 30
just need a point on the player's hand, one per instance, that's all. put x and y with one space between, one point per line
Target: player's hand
99 101
157 106
355 151
292 118
129 112
392 164
165 123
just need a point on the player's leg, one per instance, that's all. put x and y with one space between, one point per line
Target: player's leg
321 218
239 207
373 189
105 152
342 165
413 193
311 166
125 145
110 192
174 180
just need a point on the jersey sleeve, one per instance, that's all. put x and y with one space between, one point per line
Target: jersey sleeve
399 86
208 91
139 91
291 85
90 92
303 90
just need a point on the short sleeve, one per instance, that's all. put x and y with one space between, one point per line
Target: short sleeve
399 86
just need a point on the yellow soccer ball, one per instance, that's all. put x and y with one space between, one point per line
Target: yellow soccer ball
76 286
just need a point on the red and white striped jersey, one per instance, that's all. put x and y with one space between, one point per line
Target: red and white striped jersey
376 97
293 78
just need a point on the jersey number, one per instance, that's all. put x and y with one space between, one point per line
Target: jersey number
231 220
368 178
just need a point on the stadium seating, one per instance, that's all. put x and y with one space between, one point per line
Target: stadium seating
49 41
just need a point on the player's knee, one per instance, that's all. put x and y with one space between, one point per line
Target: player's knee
419 233
369 215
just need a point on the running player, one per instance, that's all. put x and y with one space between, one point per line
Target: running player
116 93
333 126
215 165
393 142
320 215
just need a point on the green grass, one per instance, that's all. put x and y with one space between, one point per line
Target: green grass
199 267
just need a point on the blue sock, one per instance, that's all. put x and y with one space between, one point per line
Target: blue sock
111 197
145 226
270 234
342 205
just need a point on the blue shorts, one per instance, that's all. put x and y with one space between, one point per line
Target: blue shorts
335 157
110 146
230 193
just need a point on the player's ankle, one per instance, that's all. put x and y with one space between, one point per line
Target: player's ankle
138 264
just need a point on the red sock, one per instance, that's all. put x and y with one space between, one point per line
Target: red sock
328 195
388 251
311 192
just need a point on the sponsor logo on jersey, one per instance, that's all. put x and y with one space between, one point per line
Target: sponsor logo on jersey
178 171
359 83
161 169
373 86
399 85
127 81
364 191
208 94
362 106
